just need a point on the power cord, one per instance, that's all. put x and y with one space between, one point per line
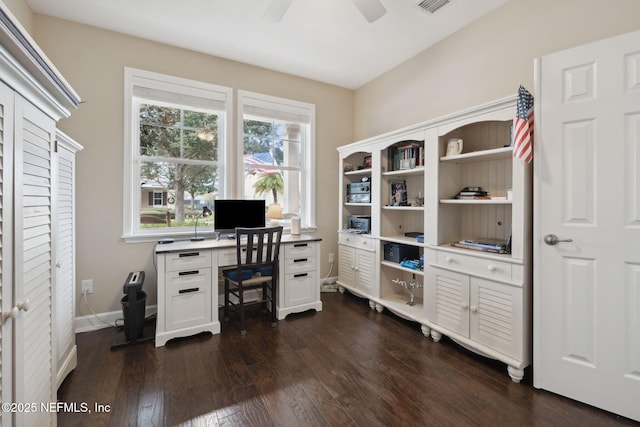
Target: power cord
84 298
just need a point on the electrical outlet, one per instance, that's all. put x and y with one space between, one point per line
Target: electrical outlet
87 286
331 257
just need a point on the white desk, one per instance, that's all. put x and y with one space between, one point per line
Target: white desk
188 282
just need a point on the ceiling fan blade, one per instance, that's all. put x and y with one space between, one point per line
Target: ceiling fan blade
277 9
372 10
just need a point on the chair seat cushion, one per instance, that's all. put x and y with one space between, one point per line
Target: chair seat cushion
263 271
233 274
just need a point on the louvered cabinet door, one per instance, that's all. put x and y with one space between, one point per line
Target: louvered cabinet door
33 262
6 234
496 318
64 284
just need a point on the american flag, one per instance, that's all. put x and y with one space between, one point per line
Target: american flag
523 136
260 159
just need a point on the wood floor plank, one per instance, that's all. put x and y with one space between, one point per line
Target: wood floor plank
345 366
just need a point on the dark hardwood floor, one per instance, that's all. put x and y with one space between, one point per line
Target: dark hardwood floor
344 366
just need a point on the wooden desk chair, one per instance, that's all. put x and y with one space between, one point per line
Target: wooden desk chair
257 251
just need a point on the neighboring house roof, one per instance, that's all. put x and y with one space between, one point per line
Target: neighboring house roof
152 185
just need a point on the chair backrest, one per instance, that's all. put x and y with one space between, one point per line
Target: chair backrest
258 246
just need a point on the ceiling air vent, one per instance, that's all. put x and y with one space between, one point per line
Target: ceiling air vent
432 5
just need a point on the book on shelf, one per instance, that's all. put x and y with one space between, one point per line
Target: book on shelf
405 155
474 197
479 248
485 244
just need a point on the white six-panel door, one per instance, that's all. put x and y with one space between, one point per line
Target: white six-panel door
587 192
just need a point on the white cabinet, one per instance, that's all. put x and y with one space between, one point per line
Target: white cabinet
476 302
299 277
33 96
481 300
65 277
187 294
357 266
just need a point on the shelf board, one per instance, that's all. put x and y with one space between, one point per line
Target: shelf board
397 266
483 155
401 239
366 172
357 204
476 202
403 208
402 172
397 304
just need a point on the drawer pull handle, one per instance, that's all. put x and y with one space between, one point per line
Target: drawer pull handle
449 259
300 245
188 254
301 260
300 275
188 273
492 268
188 291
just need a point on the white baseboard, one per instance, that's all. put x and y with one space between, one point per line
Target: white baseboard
105 320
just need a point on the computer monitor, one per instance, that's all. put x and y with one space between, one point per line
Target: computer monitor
229 214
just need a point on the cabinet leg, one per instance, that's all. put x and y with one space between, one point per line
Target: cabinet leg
341 289
379 308
435 335
372 305
425 330
515 373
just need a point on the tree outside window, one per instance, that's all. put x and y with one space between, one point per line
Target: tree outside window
178 151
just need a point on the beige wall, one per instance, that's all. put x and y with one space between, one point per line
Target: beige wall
487 60
92 61
483 62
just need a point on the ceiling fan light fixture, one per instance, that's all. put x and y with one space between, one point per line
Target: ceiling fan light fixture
432 5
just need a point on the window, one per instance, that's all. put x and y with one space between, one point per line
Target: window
175 140
277 151
159 198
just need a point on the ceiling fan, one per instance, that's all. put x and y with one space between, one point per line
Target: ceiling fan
372 10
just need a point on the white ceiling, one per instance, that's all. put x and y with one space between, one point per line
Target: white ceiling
324 40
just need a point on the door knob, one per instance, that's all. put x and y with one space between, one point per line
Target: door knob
552 239
23 306
9 314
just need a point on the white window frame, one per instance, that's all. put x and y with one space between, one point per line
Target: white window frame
135 78
288 107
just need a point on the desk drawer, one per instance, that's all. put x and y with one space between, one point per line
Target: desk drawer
299 265
471 264
299 250
228 257
356 241
188 298
299 288
187 260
